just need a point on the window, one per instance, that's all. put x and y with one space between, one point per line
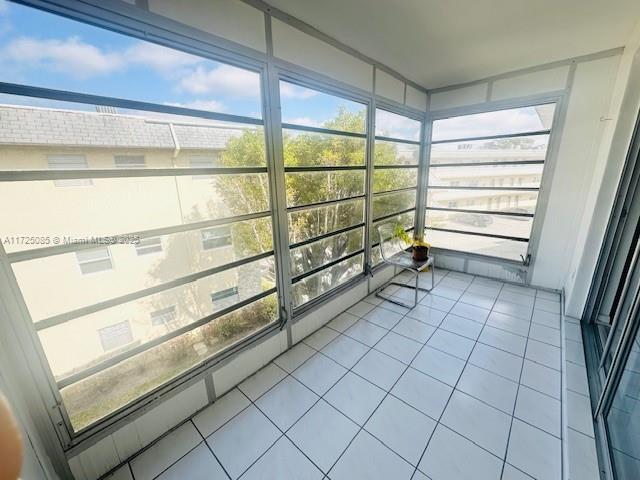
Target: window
216 237
163 316
69 162
115 336
101 141
94 260
395 171
149 245
129 161
324 139
484 176
225 298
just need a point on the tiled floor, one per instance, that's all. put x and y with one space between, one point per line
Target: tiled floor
464 386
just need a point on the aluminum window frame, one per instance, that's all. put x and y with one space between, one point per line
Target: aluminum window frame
560 99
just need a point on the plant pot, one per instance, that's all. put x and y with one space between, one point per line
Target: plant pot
420 254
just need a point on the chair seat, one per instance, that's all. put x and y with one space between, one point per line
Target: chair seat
405 260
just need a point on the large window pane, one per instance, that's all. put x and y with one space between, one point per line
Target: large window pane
393 202
487 176
306 149
477 222
306 107
46 50
313 222
321 282
316 254
494 247
499 122
75 345
395 153
315 187
59 283
511 149
392 125
102 393
512 201
394 179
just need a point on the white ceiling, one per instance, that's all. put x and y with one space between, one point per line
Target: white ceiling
444 42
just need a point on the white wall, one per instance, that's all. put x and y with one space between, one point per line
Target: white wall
588 100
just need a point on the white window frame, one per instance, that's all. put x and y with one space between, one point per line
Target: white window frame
72 161
142 248
82 262
128 332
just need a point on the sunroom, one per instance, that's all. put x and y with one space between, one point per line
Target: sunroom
195 282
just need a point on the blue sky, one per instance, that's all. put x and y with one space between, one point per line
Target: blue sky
45 50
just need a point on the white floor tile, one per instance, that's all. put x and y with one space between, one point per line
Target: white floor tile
477 299
508 295
198 464
577 378
493 389
574 352
394 307
428 315
461 326
345 350
554 297
545 334
486 291
472 312
414 329
360 309
539 410
123 473
366 332
450 456
520 312
496 361
282 461
451 343
439 365
294 357
261 381
583 459
541 378
379 369
320 338
477 421
323 433
512 473
368 459
401 348
547 305
252 431
533 451
402 428
507 341
285 403
543 353
422 392
168 450
343 321
546 318
579 413
450 293
437 303
509 323
319 373
355 397
222 410
520 289
383 318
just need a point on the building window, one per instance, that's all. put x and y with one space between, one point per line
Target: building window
129 161
487 159
94 260
149 245
215 237
69 162
115 336
163 316
225 298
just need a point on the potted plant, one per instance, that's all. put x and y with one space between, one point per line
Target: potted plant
419 248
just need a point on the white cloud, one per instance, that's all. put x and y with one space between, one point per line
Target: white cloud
207 105
288 90
305 121
222 80
72 56
158 57
393 125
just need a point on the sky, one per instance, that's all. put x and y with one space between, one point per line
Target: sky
45 50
